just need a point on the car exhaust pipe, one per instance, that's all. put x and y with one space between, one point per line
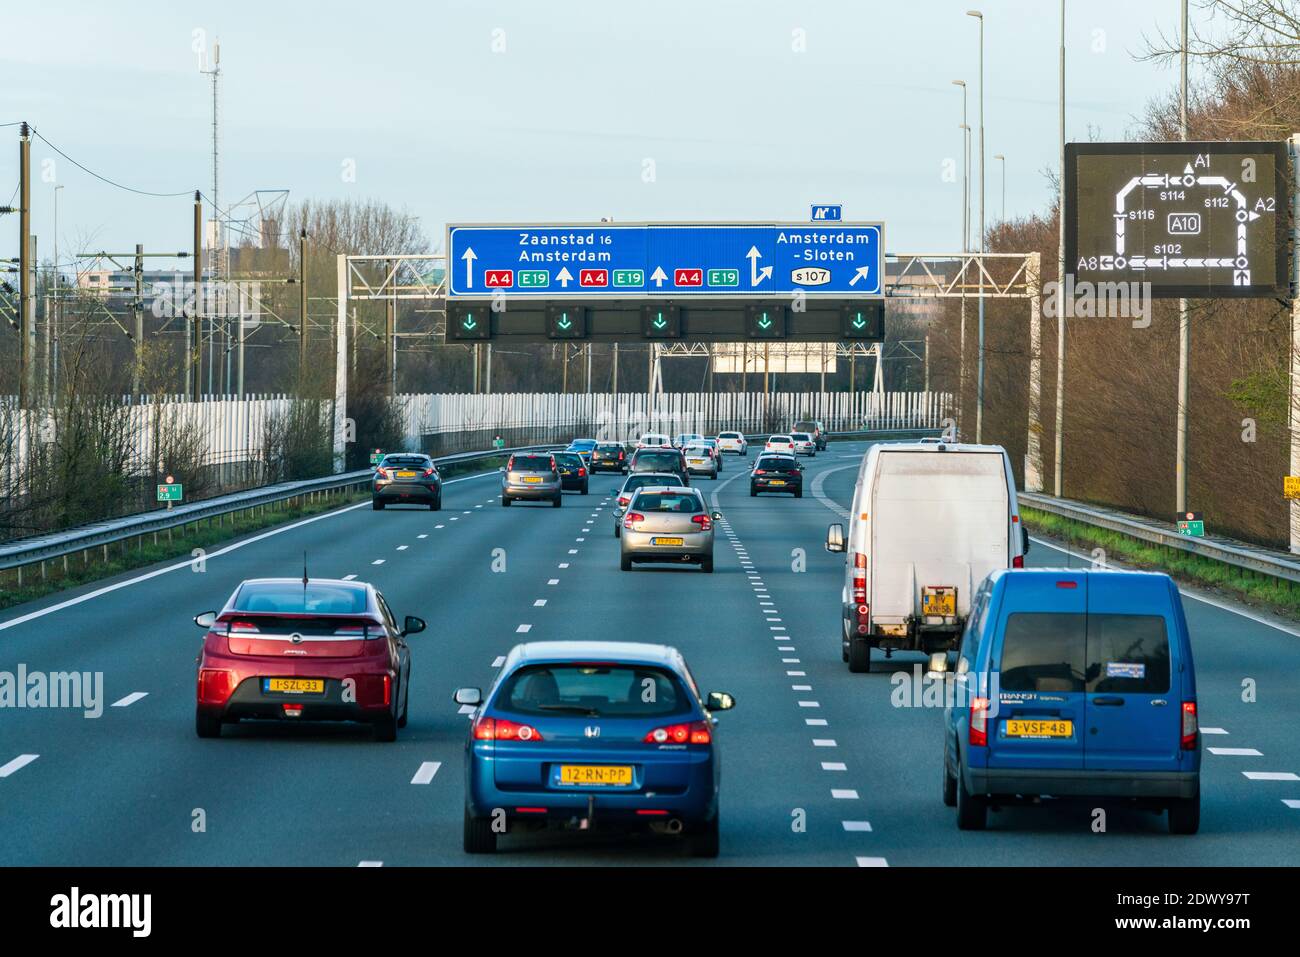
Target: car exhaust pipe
674 826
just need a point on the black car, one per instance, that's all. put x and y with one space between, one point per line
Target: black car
608 457
660 460
405 478
573 472
777 473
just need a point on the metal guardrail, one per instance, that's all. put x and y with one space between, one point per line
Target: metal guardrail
1239 554
42 548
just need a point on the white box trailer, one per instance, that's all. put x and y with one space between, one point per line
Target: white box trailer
929 521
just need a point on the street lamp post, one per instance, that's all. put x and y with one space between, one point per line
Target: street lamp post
965 243
979 374
1003 159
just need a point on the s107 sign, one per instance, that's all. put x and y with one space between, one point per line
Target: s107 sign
1200 220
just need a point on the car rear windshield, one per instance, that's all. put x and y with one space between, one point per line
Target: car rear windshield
641 481
292 598
609 447
776 465
595 690
801 437
571 459
531 463
730 435
1097 653
682 502
806 426
665 460
407 461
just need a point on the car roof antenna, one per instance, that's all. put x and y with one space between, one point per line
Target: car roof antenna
304 571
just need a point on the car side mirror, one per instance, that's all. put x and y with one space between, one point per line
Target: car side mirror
502 469
716 516
206 620
470 696
720 701
413 625
1024 539
835 538
613 492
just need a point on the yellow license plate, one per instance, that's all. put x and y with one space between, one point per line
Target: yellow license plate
294 685
1038 728
777 482
698 461
667 541
532 479
940 600
596 774
406 475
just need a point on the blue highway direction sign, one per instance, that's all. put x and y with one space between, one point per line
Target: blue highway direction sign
670 260
827 212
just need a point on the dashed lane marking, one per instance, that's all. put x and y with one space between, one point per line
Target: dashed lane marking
856 825
1236 752
871 862
19 762
129 700
426 772
1272 775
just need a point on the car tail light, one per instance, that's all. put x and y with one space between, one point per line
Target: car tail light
622 501
1017 561
382 473
704 521
243 627
859 578
1190 726
760 471
697 732
632 517
500 729
214 685
979 722
428 471
293 710
581 472
350 631
530 810
620 456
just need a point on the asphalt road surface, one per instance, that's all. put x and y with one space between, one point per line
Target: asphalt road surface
820 767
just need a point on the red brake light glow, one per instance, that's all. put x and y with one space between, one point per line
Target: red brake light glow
500 729
1017 561
979 722
1191 726
632 517
245 627
697 732
704 521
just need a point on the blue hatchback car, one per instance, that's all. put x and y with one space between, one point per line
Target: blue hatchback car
1074 683
589 734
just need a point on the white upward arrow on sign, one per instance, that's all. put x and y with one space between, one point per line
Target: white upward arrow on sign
469 258
756 275
563 276
659 276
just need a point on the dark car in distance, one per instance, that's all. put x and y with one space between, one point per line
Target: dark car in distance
609 457
776 473
406 479
660 460
573 472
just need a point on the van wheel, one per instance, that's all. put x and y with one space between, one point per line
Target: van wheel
972 811
206 725
479 836
949 786
1185 816
859 656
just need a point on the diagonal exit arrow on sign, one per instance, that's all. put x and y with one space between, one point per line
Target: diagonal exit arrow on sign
756 275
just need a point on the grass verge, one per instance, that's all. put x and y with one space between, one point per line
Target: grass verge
1240 584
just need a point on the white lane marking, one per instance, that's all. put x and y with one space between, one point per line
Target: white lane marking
402 548
1236 752
1272 775
581 539
478 506
467 709
454 518
790 661
766 603
377 561
815 722
498 661
856 825
801 687
776 628
129 700
785 648
466 512
348 578
809 704
572 551
19 762
796 674
540 603
844 794
1292 803
427 770
871 862
564 564
425 535
553 581
370 864
1213 731
834 766
824 743
440 526
523 629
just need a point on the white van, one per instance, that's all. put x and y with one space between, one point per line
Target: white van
929 520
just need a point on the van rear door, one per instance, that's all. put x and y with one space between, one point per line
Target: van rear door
937 519
1133 711
1041 653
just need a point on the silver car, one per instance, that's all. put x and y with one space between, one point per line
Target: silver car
804 443
700 460
531 476
667 524
623 496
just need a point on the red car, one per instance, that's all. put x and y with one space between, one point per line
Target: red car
300 649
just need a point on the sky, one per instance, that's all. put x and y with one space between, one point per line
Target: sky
530 111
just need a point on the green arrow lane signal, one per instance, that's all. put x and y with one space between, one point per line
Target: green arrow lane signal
564 322
660 321
469 322
859 321
764 322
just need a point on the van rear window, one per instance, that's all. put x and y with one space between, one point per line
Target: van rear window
1127 653
1044 651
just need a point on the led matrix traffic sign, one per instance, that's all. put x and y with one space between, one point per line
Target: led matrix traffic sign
1192 219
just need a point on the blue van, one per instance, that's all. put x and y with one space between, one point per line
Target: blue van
1074 683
